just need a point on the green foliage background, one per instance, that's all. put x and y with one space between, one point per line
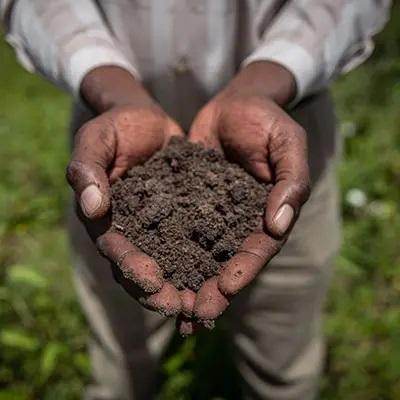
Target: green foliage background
42 332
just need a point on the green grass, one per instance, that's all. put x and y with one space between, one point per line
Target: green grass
42 332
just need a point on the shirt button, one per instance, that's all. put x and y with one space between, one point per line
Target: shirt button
182 66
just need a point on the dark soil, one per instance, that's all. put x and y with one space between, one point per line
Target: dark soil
188 208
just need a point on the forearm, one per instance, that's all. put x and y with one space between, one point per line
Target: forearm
108 86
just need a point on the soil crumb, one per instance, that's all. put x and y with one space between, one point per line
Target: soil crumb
189 208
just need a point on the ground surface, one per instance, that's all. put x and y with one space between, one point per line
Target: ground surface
42 352
188 208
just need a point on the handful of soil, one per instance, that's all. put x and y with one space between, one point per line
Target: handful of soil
189 209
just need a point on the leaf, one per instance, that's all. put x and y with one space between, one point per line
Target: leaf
81 361
18 339
25 275
48 361
177 361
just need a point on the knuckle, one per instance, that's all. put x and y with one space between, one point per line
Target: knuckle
109 242
106 246
101 248
100 128
84 130
300 131
72 171
302 188
100 242
299 139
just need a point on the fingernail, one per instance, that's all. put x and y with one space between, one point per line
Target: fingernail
90 200
283 218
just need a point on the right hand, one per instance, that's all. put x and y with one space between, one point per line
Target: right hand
129 129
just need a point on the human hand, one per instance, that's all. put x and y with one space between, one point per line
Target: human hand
130 128
246 121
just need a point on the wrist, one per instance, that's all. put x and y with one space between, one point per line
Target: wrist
266 79
107 87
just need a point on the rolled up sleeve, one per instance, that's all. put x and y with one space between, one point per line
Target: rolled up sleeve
317 40
62 39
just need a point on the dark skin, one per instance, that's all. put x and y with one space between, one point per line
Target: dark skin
129 128
246 121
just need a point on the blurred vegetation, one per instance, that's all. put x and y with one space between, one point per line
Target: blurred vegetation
42 332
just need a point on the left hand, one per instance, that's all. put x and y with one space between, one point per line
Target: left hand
247 123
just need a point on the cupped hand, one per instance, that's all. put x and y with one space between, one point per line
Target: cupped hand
252 129
121 136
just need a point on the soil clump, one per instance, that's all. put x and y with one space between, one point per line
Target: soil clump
188 208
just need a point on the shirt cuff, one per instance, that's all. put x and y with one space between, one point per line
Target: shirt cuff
88 58
294 58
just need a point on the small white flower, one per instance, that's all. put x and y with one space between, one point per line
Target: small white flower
356 198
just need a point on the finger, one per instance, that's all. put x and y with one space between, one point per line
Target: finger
167 301
204 129
188 298
94 227
259 168
244 266
210 303
87 171
288 158
172 130
186 326
134 265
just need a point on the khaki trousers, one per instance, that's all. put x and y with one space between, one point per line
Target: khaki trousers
274 324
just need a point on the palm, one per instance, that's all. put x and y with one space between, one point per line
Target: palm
131 135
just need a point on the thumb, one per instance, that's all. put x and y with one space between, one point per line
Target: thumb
87 171
288 157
